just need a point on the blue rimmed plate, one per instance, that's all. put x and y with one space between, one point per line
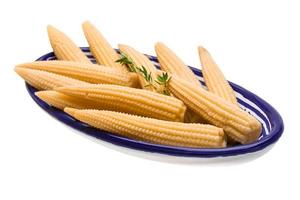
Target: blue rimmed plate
264 112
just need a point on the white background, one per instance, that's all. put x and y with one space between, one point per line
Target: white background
257 45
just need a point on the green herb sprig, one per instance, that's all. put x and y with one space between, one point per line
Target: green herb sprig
126 61
162 79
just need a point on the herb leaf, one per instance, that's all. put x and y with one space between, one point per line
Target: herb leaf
163 79
147 76
126 61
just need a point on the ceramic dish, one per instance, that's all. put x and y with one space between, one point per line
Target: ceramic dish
264 112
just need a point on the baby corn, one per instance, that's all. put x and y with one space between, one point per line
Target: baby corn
130 100
214 78
141 60
100 48
42 80
84 71
64 48
152 130
61 101
238 124
170 62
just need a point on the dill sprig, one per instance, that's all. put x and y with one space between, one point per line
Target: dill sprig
162 79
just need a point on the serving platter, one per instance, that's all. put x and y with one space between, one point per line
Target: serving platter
271 121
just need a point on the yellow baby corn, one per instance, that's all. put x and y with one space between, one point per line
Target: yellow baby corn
130 100
170 62
140 60
84 71
64 48
43 80
152 130
61 101
214 78
238 124
100 48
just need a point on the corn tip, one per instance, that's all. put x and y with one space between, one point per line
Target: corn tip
159 44
51 29
86 22
70 111
16 68
24 72
24 65
20 70
122 46
86 25
19 65
39 93
201 49
43 94
53 33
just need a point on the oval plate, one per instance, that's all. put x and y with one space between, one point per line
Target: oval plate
264 112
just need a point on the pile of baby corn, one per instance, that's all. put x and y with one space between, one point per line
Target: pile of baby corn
126 94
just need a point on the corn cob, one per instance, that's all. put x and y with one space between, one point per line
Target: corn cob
61 101
141 60
130 100
83 71
152 130
100 48
42 80
214 78
238 124
170 62
64 48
